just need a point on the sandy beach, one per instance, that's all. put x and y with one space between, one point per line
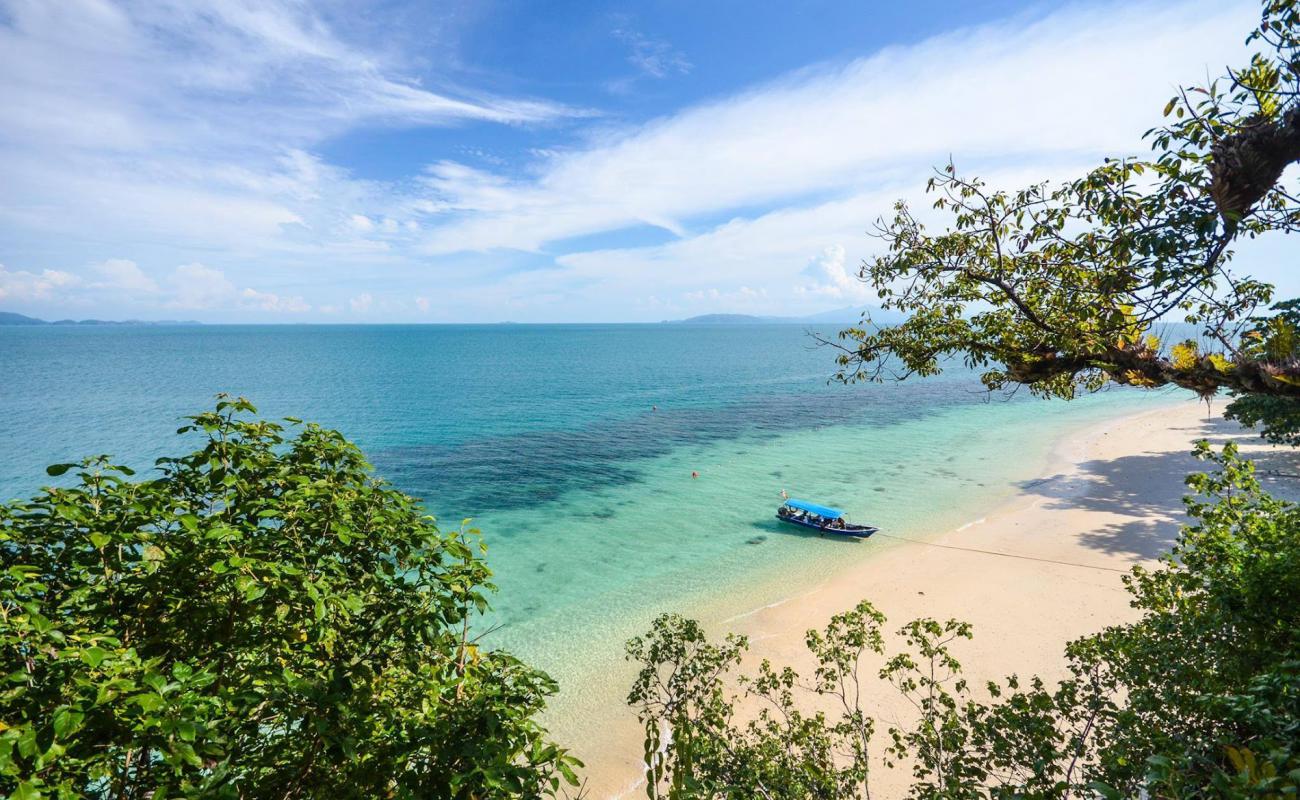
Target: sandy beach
1030 575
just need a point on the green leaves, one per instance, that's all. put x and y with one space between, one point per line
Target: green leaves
1276 418
263 614
1051 286
66 722
25 791
94 656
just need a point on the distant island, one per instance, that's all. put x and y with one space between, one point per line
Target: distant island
11 318
840 316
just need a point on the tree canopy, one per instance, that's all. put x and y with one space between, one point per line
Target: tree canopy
1058 287
263 619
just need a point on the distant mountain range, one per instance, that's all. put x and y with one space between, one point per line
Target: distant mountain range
10 318
840 316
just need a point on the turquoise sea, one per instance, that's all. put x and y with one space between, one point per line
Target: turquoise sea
572 448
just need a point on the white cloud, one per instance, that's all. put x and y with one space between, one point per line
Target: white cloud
422 303
21 285
269 301
361 303
120 273
90 71
196 286
831 277
188 125
1007 90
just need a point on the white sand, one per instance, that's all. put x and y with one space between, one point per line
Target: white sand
1111 499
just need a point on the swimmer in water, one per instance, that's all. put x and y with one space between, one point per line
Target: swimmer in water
694 474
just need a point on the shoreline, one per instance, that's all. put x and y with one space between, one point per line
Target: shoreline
1039 569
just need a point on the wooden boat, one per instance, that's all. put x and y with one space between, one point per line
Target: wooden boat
823 519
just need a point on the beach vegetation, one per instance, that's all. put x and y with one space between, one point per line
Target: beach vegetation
1063 288
260 618
1200 697
1277 418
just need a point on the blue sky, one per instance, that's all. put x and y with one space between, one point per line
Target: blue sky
291 161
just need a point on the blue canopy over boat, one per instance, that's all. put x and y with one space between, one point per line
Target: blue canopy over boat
813 508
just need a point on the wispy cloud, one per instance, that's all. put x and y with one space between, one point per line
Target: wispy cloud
156 73
654 58
193 125
1084 81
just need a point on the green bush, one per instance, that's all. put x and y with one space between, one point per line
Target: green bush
263 619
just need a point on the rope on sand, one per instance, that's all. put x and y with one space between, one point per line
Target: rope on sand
1004 555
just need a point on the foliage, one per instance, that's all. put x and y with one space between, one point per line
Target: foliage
1274 338
1057 287
695 747
263 620
1199 698
1277 418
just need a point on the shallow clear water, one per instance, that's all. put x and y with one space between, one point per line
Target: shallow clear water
546 436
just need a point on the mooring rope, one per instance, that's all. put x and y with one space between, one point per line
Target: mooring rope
1004 555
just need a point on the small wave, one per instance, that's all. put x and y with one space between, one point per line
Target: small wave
628 790
973 523
780 602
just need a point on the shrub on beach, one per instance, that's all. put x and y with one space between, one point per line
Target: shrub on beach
1199 698
263 619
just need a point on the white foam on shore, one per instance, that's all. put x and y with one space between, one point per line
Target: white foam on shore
973 523
628 790
753 611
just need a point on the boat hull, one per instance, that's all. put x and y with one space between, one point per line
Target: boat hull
849 532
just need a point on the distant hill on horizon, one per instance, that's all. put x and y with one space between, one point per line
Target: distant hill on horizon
13 318
840 316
